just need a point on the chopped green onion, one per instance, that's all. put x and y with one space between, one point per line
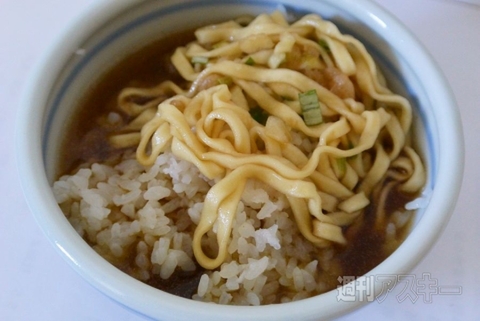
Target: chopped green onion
250 61
259 115
312 114
323 43
199 60
342 165
225 81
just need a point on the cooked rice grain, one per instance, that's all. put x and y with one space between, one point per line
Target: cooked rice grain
150 214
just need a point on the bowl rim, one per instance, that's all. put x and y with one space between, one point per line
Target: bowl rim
141 297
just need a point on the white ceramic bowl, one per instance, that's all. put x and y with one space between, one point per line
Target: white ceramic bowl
111 29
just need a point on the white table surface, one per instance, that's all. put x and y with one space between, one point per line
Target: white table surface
37 284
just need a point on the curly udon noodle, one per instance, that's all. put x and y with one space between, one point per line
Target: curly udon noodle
211 127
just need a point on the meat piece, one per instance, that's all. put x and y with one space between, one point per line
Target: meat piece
334 80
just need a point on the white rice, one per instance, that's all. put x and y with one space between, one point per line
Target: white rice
151 213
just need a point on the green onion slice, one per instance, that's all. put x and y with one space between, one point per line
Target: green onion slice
312 114
323 43
259 115
342 165
250 61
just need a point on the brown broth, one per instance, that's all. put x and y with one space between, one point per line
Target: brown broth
365 248
87 142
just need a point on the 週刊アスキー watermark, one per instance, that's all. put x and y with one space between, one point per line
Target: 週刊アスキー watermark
410 286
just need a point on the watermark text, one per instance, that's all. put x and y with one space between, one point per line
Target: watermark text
411 288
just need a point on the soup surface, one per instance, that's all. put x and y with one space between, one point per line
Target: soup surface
148 210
